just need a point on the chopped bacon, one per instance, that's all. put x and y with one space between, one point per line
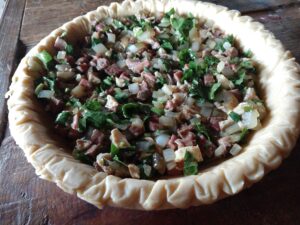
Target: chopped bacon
124 76
144 93
100 27
153 123
93 151
56 105
232 52
169 105
75 123
113 70
237 93
83 144
178 75
188 140
84 83
214 122
102 63
184 130
226 141
209 80
149 78
137 66
171 143
97 136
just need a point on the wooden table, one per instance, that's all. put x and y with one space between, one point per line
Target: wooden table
26 199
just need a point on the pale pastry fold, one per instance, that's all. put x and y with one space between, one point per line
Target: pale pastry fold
279 83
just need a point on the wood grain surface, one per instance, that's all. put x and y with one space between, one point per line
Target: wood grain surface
26 199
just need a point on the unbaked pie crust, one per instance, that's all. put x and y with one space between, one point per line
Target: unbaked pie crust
280 88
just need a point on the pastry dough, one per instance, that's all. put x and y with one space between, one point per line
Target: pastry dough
280 88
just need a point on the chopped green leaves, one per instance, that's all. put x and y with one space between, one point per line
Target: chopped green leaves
201 129
241 78
185 56
63 117
197 90
220 44
167 45
213 90
234 116
157 111
243 134
131 109
182 26
69 49
190 165
46 59
120 95
211 60
93 105
80 155
114 150
96 119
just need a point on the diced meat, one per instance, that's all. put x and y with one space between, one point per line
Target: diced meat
170 105
83 67
149 78
178 75
56 105
214 122
75 123
82 144
73 134
100 27
209 80
184 130
226 141
124 76
97 136
237 93
188 140
92 77
93 151
178 98
172 144
232 52
60 44
111 103
154 124
137 66
84 83
102 63
144 93
113 70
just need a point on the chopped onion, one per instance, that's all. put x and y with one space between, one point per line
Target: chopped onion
171 165
61 55
121 63
158 64
65 75
171 114
147 170
62 67
162 140
220 66
167 121
146 36
111 37
226 45
236 149
133 88
167 89
231 129
250 119
157 94
195 46
220 151
169 155
100 49
134 48
46 94
143 145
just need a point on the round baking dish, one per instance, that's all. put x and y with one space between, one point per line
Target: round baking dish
278 81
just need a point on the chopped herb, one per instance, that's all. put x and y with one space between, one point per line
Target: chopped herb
190 165
114 150
234 116
95 41
69 49
185 56
248 54
96 119
119 25
157 111
241 79
93 105
116 159
201 129
248 108
182 26
63 117
198 90
50 83
229 39
39 88
243 134
79 155
74 102
167 46
131 109
247 64
46 59
120 95
211 60
214 89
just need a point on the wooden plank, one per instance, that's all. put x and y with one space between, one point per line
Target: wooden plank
9 34
41 17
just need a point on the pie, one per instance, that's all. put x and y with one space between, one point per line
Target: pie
148 104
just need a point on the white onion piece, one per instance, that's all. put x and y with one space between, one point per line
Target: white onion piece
167 89
46 94
167 121
220 66
111 37
133 88
171 165
121 63
236 149
250 119
100 49
62 67
231 129
61 55
195 46
169 155
220 151
147 169
65 75
157 94
146 36
226 45
162 140
158 64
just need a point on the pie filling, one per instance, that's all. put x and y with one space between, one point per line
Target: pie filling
146 97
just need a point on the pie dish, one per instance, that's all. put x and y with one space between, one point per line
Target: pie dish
265 150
